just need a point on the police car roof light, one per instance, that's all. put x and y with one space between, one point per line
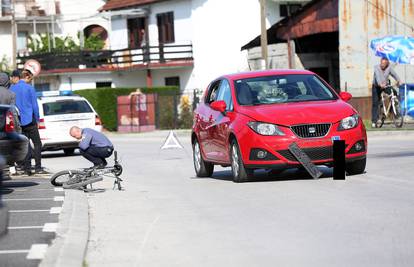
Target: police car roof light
55 93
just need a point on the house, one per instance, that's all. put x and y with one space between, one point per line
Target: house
332 37
163 42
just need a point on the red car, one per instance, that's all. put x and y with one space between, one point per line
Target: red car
248 120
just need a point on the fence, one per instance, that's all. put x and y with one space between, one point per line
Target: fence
147 112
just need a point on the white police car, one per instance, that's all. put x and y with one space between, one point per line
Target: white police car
59 111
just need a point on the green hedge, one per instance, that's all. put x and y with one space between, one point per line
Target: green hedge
104 100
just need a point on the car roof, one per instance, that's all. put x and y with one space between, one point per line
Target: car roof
261 73
59 98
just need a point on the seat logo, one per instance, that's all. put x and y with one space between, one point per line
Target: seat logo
312 130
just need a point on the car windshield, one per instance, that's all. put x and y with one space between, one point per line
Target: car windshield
66 107
281 89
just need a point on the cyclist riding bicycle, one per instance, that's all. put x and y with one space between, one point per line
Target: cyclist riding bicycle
379 84
93 145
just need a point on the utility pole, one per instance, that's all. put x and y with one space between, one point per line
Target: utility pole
14 33
263 36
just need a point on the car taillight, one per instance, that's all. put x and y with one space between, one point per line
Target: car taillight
98 120
9 122
41 124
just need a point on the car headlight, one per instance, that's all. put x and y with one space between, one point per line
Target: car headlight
349 122
265 128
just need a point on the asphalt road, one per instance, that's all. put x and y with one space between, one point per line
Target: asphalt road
167 217
34 208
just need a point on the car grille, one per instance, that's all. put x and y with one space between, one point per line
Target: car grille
311 130
314 153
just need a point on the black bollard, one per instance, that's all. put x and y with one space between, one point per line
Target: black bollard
339 159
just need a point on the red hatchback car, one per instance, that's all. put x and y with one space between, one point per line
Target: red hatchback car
248 120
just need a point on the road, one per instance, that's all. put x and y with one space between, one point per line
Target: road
167 217
34 207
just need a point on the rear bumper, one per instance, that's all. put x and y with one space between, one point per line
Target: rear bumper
14 147
59 146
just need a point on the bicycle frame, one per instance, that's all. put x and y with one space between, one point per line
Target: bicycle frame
391 102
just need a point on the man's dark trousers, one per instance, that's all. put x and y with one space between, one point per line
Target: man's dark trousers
97 155
32 133
376 96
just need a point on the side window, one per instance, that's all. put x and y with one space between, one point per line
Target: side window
225 94
213 92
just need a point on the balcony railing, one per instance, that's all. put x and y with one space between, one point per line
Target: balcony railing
111 59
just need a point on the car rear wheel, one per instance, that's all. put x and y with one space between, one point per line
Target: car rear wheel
356 167
240 173
69 151
202 168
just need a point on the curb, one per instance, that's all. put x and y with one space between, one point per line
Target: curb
398 133
69 246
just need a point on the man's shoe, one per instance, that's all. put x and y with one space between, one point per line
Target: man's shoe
99 166
374 125
27 173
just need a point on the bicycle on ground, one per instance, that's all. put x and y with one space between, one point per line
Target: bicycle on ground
80 178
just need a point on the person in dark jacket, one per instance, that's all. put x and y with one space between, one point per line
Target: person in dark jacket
7 97
93 145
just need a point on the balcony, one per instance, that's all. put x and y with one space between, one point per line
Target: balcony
150 57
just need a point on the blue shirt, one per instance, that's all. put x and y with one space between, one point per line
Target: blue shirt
94 138
26 102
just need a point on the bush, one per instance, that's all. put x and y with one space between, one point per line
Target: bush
104 101
186 116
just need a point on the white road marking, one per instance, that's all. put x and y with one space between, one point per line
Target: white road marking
15 251
37 252
50 227
26 199
58 189
23 211
24 227
59 198
55 210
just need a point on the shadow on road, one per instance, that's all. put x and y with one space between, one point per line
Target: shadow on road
49 155
8 185
265 176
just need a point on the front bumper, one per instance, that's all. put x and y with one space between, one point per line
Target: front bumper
319 150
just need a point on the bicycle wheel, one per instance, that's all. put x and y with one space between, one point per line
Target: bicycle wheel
59 178
397 118
381 117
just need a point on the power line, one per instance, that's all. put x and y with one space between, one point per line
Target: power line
390 15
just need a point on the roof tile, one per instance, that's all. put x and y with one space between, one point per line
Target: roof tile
119 4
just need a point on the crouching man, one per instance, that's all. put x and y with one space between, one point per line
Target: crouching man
93 145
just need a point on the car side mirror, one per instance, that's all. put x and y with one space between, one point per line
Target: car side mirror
345 96
219 106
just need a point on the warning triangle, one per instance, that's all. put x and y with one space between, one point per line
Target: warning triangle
171 142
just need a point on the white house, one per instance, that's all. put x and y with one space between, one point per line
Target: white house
158 42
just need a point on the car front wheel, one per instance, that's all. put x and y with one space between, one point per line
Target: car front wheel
356 167
202 168
240 173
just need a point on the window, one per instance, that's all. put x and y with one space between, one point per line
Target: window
281 89
136 32
103 84
66 107
21 41
40 87
225 94
165 23
286 10
172 81
213 91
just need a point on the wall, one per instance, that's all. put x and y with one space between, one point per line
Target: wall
82 80
359 23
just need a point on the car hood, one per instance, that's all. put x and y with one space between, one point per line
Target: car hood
299 113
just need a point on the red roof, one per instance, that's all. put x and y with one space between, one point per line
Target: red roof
119 4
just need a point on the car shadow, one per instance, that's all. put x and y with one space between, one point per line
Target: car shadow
265 176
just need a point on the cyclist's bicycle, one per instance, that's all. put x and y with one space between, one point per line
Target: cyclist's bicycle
389 107
80 178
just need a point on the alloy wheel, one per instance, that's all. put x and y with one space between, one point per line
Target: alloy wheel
235 160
